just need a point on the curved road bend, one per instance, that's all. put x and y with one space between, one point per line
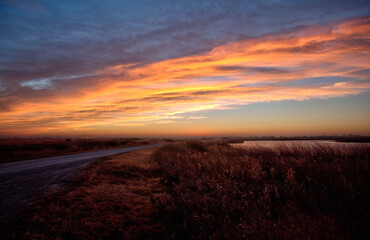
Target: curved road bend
23 181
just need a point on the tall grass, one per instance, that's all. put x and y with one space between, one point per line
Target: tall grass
295 192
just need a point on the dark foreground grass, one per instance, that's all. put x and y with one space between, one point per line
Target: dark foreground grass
118 197
199 190
297 192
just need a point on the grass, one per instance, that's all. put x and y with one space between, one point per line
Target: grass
296 192
21 149
211 190
117 197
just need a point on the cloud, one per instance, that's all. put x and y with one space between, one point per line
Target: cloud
37 84
195 117
304 63
76 39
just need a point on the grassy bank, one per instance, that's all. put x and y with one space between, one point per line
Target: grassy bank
221 192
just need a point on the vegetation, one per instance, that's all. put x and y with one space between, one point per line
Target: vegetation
19 149
114 198
296 192
210 190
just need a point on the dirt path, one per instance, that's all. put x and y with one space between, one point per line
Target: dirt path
117 197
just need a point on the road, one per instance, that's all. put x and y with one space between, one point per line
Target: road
22 182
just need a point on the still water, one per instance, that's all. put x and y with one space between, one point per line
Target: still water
298 143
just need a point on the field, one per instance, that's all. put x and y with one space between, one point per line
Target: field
20 149
297 192
211 190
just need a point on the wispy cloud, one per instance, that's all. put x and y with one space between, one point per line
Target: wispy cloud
272 67
197 117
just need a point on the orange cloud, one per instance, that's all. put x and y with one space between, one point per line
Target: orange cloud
312 62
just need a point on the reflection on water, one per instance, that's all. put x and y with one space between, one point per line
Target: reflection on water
297 144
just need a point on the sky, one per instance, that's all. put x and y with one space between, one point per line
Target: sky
184 68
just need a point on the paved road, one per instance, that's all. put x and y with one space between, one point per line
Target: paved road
21 182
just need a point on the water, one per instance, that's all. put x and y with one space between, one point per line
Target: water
298 143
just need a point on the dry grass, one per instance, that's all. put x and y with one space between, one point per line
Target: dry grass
221 192
20 149
118 197
199 190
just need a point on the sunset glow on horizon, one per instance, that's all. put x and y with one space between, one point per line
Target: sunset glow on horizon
181 79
